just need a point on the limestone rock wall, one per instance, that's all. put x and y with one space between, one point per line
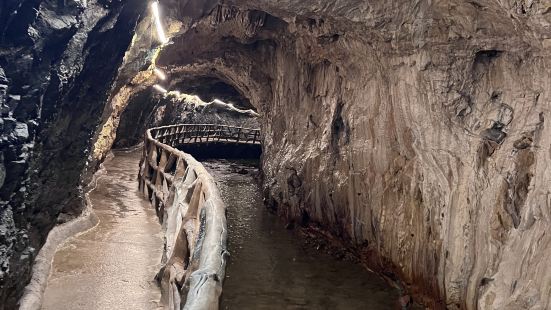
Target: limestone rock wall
57 62
413 130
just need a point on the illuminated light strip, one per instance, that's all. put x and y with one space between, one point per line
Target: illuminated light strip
160 88
158 24
160 74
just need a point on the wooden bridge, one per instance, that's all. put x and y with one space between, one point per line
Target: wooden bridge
188 203
175 135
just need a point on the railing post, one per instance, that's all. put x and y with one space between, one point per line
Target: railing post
176 135
166 177
196 132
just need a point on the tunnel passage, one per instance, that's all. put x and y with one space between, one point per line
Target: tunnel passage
222 142
191 100
208 141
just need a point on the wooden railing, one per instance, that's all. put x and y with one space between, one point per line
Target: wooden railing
175 135
188 204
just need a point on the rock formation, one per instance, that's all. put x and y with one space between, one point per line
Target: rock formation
414 131
58 60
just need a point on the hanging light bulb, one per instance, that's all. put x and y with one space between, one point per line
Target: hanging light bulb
160 74
157 16
160 88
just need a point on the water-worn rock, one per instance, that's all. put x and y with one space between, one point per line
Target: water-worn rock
21 132
395 126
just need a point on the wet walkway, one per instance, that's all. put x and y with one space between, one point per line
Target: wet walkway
272 268
113 265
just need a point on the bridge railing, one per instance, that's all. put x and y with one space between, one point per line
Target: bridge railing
175 135
191 210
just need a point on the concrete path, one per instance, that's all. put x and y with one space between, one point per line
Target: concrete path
113 265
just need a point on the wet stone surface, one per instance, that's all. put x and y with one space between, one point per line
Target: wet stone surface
113 265
272 268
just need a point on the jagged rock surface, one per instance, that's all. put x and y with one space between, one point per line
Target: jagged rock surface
57 61
413 130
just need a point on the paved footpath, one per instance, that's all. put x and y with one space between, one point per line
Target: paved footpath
113 265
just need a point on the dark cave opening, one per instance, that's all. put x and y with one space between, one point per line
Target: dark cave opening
191 100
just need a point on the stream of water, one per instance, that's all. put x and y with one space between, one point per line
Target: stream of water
273 268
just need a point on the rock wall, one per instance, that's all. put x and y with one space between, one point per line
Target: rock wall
415 131
57 62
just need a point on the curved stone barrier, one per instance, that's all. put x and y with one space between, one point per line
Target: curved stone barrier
34 291
189 206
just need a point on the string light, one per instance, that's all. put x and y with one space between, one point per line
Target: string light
163 39
160 74
158 24
160 88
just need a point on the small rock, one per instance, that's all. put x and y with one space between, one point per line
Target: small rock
13 101
505 115
493 134
33 126
9 124
405 301
3 78
27 147
523 143
4 109
2 172
14 171
33 34
3 91
5 266
21 131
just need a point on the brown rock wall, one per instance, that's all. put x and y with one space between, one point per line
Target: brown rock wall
412 130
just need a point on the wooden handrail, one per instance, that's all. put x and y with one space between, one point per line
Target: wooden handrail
189 205
175 135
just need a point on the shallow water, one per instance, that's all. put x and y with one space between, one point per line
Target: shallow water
113 265
272 268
